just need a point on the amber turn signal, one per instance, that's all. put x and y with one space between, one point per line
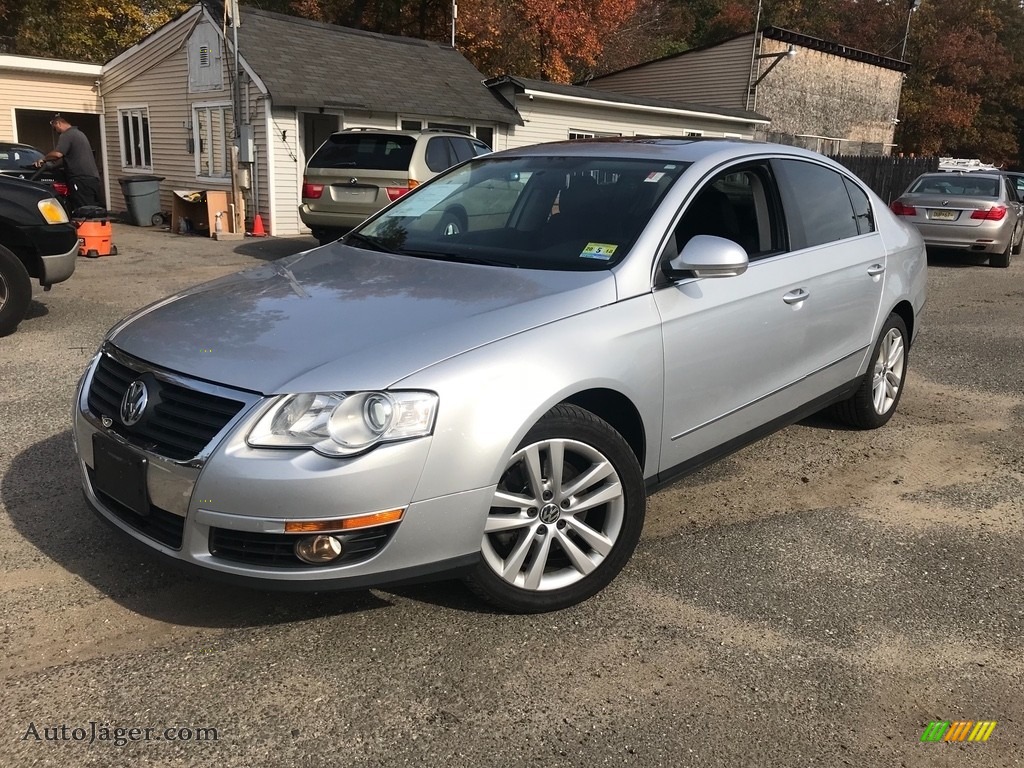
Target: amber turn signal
344 523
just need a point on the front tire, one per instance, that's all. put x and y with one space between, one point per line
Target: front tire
875 400
15 291
566 516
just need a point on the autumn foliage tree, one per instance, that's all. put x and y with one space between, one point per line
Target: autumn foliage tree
84 30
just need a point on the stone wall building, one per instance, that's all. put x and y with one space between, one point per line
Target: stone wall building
818 94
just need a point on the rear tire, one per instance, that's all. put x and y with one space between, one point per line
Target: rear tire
875 400
567 515
1001 259
15 291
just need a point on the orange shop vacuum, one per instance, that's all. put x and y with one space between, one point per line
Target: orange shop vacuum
94 232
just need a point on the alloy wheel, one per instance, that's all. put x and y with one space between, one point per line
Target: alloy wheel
888 372
556 515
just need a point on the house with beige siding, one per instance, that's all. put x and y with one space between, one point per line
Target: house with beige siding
556 112
172 110
169 104
818 94
33 89
175 105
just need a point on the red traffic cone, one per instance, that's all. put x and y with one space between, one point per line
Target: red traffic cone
257 227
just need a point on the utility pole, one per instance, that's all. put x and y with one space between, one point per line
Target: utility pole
455 15
914 5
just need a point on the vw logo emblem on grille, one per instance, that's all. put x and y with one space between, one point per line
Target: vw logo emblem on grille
134 402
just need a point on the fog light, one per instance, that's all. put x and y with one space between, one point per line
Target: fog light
317 550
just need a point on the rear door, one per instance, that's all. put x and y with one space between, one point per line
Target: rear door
357 169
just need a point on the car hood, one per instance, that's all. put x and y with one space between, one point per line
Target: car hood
342 318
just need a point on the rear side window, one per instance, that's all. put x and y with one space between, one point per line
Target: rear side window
376 152
861 208
818 206
439 155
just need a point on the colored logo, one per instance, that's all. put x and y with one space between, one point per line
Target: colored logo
958 730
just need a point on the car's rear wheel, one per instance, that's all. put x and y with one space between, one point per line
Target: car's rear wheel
566 515
15 291
1001 259
875 400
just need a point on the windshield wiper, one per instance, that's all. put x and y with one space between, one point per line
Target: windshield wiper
373 242
458 257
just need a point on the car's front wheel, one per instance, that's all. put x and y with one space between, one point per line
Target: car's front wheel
566 515
15 291
875 400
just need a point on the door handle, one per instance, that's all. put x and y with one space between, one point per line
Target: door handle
876 269
796 296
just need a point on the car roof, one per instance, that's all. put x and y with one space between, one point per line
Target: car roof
18 145
397 132
682 148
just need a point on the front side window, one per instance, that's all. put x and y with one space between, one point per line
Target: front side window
553 212
214 133
740 205
135 140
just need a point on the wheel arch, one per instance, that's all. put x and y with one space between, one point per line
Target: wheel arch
620 412
906 313
12 238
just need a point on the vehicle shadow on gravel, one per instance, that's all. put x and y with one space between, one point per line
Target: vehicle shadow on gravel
939 259
42 495
36 309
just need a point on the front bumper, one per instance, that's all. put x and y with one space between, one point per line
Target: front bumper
57 246
224 512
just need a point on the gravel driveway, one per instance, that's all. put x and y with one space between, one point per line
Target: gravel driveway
814 600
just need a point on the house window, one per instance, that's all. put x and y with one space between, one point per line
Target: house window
486 134
135 142
576 133
214 131
412 125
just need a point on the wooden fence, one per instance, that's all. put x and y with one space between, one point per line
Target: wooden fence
889 175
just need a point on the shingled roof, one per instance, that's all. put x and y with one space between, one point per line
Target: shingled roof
309 64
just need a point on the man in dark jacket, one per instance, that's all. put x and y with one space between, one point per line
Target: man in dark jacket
79 164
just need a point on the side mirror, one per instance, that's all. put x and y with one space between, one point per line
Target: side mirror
708 256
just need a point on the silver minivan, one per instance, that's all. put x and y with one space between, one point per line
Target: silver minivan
358 171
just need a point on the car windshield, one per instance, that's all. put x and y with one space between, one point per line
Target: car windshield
367 151
967 185
18 158
535 212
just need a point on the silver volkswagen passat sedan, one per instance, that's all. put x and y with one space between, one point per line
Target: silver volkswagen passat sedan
968 211
495 401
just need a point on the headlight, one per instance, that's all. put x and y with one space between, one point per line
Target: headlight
344 423
52 211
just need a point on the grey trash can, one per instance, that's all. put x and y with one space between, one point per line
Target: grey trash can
142 196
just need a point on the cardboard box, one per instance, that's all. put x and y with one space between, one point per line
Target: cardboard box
199 208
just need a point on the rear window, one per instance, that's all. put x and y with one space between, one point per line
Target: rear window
18 158
375 152
967 185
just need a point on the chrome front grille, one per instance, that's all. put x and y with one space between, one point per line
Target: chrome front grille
179 421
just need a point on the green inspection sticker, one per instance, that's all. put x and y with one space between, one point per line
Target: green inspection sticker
601 251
